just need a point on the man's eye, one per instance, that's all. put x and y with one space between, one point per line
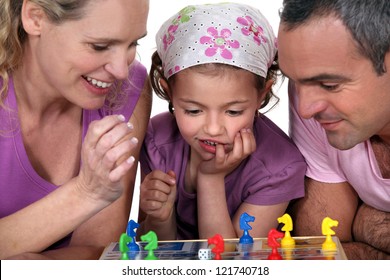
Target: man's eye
330 87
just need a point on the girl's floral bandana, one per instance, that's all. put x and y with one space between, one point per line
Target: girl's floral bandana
228 33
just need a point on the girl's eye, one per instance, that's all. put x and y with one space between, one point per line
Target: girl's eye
234 113
99 48
192 112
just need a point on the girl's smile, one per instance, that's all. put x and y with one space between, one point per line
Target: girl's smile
211 146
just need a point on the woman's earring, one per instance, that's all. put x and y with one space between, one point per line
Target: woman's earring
170 107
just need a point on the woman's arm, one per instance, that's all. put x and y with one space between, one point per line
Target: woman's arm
95 218
110 223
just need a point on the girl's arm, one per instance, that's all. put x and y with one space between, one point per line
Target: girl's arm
266 218
157 205
165 230
213 214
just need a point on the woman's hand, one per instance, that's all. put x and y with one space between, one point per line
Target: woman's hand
105 158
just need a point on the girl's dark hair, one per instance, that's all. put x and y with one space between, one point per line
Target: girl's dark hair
156 73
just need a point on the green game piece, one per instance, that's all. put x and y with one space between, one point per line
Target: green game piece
151 238
123 241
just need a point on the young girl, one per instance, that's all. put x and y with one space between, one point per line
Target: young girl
214 156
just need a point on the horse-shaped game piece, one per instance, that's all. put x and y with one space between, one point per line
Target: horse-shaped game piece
273 234
245 219
219 247
130 230
287 241
151 238
327 224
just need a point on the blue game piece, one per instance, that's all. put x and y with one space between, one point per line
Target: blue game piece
245 218
131 227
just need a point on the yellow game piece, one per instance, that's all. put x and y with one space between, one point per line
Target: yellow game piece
287 241
288 253
327 224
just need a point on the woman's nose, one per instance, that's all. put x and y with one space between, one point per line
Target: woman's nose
120 63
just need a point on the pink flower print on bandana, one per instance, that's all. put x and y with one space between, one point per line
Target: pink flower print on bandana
174 70
181 18
219 42
250 27
169 37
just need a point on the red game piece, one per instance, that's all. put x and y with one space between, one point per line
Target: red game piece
219 247
273 234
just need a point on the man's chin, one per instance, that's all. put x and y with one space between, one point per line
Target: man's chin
341 143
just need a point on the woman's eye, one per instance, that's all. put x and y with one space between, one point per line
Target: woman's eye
134 44
99 48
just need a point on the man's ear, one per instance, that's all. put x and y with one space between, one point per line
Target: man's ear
32 17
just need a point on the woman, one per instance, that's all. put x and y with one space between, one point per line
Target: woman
74 108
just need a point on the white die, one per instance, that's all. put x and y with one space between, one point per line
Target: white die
204 254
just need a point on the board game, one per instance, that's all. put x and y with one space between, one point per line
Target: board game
305 248
279 245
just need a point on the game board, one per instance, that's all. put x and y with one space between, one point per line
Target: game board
305 248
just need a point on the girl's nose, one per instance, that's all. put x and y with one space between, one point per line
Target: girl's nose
214 125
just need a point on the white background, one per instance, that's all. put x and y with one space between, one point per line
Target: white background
113 270
162 10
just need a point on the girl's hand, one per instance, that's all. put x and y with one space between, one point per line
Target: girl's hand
158 194
105 158
225 162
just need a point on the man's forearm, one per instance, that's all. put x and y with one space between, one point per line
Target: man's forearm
361 251
372 227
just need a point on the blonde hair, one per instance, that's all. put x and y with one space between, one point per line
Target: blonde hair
12 34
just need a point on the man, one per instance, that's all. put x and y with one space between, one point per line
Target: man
336 54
